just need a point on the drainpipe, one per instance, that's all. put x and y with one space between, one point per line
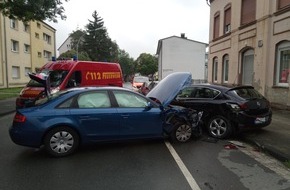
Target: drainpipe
5 49
1 51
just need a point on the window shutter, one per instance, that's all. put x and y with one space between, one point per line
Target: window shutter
227 23
216 26
248 11
283 3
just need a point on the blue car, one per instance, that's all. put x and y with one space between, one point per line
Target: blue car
63 121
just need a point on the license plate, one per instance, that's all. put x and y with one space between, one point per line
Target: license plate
260 120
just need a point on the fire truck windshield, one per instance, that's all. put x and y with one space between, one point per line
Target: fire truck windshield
56 78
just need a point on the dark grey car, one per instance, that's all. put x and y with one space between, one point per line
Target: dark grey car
226 109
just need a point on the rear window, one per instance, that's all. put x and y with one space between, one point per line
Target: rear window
141 79
246 93
45 99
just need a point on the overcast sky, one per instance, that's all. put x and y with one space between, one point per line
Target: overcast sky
137 25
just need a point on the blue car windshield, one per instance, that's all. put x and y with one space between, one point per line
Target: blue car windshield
56 78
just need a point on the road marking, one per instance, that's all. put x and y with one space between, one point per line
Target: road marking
191 181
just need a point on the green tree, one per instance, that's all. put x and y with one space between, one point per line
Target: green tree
98 44
146 64
127 64
72 53
77 39
30 10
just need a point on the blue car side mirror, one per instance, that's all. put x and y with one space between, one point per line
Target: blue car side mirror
149 106
161 107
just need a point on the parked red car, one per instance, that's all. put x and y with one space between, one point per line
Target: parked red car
147 87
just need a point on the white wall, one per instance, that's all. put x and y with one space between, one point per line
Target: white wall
65 46
182 55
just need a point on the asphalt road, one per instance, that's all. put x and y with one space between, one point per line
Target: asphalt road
199 164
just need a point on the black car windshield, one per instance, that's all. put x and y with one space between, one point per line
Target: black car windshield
246 93
56 78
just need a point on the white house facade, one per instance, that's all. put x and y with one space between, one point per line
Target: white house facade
65 46
179 54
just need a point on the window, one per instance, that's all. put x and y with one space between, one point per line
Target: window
13 24
26 48
216 26
27 70
130 100
197 93
283 3
36 35
46 38
75 79
226 69
248 12
283 64
46 54
39 54
66 104
14 46
94 100
26 28
215 69
38 25
15 72
227 20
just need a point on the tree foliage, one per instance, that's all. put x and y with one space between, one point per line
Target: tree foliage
77 40
97 42
127 64
72 53
146 64
30 10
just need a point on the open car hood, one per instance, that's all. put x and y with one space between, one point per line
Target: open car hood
42 79
167 89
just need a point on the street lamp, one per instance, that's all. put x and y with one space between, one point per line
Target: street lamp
80 40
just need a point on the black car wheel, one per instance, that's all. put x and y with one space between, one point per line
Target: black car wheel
219 127
181 132
61 141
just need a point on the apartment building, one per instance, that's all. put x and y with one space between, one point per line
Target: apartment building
249 44
24 47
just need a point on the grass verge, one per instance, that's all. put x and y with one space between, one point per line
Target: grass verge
287 164
6 93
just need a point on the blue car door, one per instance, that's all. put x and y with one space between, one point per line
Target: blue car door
137 120
96 117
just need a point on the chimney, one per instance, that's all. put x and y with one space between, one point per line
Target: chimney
182 35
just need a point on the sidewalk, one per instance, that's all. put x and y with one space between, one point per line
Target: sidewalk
7 106
273 139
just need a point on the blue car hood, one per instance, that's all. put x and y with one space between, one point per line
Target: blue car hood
166 90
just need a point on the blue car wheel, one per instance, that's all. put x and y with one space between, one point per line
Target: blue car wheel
61 141
181 132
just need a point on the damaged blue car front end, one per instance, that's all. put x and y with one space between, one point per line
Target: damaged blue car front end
179 123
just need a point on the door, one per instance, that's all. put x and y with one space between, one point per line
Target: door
95 116
136 119
199 98
248 67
